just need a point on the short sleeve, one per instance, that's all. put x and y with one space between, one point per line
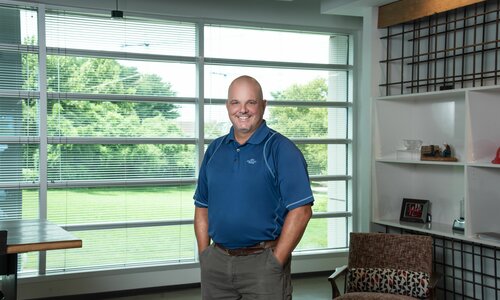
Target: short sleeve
293 178
201 194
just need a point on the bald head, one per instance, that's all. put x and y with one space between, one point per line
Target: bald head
246 82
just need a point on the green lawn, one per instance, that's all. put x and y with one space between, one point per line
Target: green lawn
126 246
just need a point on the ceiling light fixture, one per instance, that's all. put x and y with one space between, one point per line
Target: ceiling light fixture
117 14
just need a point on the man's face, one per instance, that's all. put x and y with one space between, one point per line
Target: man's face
245 108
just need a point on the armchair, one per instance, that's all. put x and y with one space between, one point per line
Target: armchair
387 266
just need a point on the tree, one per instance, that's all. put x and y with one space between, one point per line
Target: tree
303 122
76 118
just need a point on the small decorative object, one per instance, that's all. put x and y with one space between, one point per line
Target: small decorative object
447 151
414 210
434 152
410 150
496 160
459 223
412 144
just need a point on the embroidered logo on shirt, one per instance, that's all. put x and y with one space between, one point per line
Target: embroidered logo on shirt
251 161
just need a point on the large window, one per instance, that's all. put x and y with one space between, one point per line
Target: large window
109 142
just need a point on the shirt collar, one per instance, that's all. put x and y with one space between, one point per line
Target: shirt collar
256 138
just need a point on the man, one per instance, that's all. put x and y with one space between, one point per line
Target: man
253 201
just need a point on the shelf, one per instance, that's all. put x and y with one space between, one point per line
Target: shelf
469 121
428 96
483 165
432 122
483 112
434 228
430 181
484 196
420 162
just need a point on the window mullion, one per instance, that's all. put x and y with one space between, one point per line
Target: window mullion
42 59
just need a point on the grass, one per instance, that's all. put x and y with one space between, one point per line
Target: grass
128 246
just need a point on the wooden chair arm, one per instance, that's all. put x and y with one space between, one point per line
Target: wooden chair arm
338 272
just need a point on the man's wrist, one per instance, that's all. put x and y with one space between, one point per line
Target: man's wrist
281 256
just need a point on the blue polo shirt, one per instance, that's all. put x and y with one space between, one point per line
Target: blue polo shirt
249 189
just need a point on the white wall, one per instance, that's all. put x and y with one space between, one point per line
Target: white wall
297 14
369 78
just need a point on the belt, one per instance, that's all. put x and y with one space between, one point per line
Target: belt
255 249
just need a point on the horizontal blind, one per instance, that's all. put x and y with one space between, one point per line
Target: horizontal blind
110 82
98 32
18 48
133 119
119 161
273 45
19 117
105 76
322 122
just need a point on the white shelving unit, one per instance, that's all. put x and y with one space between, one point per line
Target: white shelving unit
469 121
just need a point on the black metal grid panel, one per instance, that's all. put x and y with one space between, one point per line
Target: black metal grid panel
470 270
454 49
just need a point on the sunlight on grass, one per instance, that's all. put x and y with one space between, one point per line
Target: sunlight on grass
115 248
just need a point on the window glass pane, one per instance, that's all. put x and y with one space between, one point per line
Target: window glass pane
325 159
314 237
21 204
216 120
168 244
339 53
293 122
280 84
27 264
18 203
18 71
134 35
337 232
71 206
126 247
18 117
18 25
120 161
308 122
111 76
19 162
321 233
273 45
329 196
119 119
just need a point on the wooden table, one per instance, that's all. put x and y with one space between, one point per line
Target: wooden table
26 236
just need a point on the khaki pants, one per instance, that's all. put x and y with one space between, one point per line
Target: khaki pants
251 277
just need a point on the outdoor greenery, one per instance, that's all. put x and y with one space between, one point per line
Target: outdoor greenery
304 122
84 118
105 205
93 118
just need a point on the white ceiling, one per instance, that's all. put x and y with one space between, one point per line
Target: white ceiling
349 7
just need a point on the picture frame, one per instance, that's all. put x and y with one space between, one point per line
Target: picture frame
414 210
